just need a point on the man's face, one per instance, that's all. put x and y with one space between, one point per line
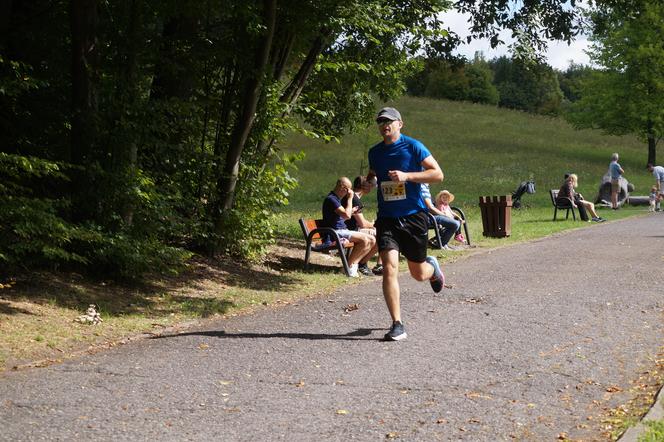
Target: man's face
389 128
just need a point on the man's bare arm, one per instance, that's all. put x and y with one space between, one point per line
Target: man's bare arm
431 173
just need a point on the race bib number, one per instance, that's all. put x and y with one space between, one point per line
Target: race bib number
393 190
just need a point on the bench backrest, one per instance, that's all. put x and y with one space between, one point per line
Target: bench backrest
554 195
563 203
309 224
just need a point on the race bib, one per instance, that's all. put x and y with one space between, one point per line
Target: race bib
393 190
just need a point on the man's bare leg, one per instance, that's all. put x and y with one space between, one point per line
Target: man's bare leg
391 293
363 243
420 271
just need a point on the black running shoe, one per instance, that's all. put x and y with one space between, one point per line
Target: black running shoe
396 333
437 280
378 270
364 269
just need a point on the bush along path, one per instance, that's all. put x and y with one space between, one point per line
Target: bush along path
546 340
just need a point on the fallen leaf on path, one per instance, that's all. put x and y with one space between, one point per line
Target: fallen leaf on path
613 389
392 435
342 411
473 300
475 394
351 307
203 346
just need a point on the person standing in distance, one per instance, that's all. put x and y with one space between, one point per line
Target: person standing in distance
400 164
616 172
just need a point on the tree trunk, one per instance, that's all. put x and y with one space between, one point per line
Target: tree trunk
652 149
292 92
127 152
297 83
227 182
281 55
652 143
173 72
84 62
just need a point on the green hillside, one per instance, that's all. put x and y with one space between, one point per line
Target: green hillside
482 150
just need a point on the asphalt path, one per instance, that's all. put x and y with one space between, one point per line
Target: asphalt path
531 342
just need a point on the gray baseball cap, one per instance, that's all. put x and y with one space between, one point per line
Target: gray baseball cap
389 113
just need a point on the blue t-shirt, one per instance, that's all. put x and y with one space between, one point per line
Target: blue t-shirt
330 217
614 170
406 154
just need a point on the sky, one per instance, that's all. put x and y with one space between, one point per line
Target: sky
558 55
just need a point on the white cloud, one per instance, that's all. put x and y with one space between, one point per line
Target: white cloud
559 54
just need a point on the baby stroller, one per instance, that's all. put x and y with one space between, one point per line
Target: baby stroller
524 187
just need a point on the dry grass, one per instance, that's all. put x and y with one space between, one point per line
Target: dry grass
38 311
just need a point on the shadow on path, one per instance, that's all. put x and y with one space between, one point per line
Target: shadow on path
361 334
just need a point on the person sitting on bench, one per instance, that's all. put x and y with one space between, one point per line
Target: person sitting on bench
334 216
447 220
361 187
567 192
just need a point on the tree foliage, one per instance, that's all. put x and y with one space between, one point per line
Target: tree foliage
627 94
532 87
163 118
570 81
156 125
532 23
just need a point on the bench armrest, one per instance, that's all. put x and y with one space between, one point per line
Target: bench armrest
321 231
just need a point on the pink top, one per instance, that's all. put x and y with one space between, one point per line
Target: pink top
445 208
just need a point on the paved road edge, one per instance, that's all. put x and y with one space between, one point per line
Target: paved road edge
656 412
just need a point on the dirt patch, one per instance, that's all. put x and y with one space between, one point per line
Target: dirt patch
37 310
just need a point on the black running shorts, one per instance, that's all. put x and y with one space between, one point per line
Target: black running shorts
407 234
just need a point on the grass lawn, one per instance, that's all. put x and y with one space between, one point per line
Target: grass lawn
482 150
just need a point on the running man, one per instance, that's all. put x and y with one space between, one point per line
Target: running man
401 164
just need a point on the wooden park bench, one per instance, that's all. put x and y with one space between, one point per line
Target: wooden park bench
313 232
562 204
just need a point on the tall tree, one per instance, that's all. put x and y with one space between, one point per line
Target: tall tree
570 80
84 70
627 94
529 86
324 61
480 80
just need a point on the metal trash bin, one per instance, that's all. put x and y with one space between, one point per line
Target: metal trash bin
496 215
